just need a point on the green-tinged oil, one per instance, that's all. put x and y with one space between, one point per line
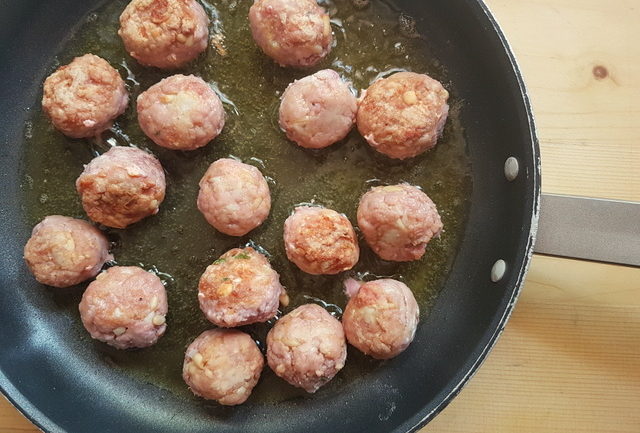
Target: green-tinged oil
178 244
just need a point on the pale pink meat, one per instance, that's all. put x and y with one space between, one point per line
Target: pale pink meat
318 110
292 32
121 186
351 287
239 288
398 221
234 197
381 318
164 33
223 365
403 115
125 307
64 251
84 97
320 241
307 347
180 112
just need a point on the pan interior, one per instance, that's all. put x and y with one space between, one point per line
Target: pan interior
178 244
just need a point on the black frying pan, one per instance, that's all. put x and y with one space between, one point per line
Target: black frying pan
42 374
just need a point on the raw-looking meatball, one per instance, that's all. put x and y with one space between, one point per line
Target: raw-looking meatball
121 187
318 110
398 221
403 115
381 319
307 347
320 241
84 97
125 306
234 197
239 288
180 112
164 33
64 251
223 365
292 32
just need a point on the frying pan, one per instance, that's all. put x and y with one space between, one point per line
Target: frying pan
44 375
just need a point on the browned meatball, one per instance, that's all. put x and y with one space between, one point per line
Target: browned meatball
164 33
121 186
84 97
64 251
381 318
125 307
291 32
223 365
403 115
307 347
320 241
239 288
398 221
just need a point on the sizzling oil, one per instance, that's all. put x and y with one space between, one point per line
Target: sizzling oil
178 244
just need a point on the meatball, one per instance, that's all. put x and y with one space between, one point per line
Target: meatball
318 110
125 306
398 221
381 318
164 33
223 365
320 241
403 115
121 187
239 288
84 97
180 112
64 251
234 197
292 32
307 347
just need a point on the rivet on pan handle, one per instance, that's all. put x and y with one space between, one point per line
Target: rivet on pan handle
589 228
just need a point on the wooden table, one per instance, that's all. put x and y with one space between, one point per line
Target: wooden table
569 359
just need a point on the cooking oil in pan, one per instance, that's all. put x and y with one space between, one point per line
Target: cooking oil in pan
178 244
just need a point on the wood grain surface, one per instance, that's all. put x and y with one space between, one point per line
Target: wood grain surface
581 63
569 359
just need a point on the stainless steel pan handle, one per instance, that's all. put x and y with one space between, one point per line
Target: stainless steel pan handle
589 228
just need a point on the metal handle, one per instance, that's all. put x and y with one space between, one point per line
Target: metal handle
589 228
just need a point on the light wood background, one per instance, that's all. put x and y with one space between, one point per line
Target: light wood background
569 359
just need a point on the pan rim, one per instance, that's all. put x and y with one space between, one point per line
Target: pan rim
529 249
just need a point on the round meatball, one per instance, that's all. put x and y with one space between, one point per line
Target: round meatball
307 347
64 251
381 319
292 32
84 97
403 115
398 221
164 33
223 365
320 241
234 197
239 288
125 306
121 187
318 110
180 112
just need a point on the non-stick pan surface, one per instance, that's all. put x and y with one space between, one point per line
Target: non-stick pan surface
62 386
